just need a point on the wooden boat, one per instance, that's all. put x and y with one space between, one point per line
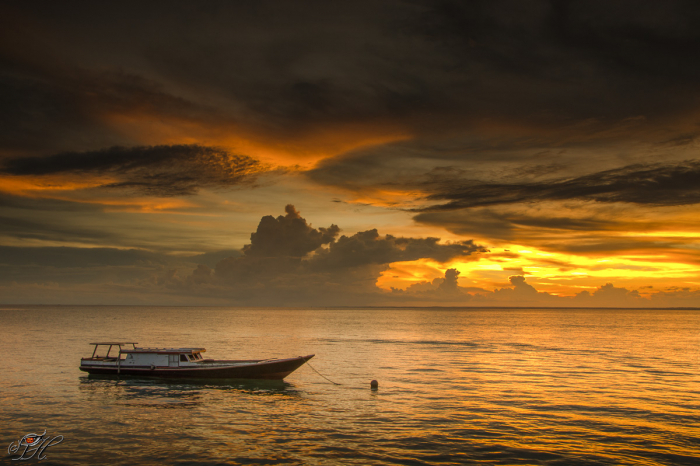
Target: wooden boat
183 363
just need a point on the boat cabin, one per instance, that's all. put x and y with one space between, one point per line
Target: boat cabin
111 353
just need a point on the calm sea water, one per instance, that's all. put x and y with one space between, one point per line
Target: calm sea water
456 386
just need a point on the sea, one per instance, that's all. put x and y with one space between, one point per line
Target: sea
455 386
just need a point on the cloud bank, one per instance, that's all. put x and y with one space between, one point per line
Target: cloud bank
288 262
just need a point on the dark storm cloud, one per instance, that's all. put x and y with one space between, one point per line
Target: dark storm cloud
426 165
291 67
587 235
59 105
441 166
508 225
160 170
609 53
653 185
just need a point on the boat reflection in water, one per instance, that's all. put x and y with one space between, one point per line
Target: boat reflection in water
172 393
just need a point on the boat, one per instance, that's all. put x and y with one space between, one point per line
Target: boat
182 363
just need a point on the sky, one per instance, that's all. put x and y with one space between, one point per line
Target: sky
364 153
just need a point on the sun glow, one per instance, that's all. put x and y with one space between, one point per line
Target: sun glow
555 273
46 186
82 191
302 149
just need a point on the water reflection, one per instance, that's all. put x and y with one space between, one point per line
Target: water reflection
130 391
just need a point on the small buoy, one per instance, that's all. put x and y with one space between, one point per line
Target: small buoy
374 384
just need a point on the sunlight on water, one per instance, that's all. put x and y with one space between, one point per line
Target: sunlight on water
456 386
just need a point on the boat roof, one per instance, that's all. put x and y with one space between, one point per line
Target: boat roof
164 350
114 343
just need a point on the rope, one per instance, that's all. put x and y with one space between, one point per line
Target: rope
312 367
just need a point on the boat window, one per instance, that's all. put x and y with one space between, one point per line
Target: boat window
183 358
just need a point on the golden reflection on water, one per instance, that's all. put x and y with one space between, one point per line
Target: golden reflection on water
455 386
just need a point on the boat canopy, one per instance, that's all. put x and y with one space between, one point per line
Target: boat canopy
114 343
134 349
111 344
164 350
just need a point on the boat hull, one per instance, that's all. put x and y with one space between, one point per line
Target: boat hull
276 369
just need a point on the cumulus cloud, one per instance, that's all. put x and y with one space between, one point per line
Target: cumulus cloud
369 247
440 290
165 170
520 288
288 258
447 291
287 236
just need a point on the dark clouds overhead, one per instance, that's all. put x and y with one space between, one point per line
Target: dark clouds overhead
654 185
51 103
287 68
158 170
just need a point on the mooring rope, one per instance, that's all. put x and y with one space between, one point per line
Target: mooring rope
312 367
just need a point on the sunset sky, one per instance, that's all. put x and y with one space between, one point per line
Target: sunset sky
402 153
